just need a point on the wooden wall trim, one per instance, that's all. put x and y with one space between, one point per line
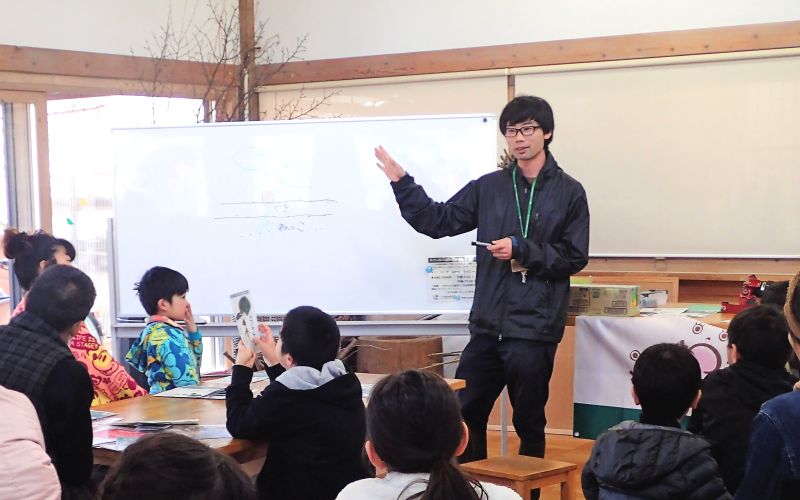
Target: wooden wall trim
192 75
69 87
35 61
695 268
609 48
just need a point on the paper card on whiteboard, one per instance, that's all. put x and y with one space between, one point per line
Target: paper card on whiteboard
244 315
451 279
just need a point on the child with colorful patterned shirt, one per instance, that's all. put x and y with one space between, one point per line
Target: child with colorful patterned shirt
168 355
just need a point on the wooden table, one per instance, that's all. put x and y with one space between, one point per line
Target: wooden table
720 320
207 412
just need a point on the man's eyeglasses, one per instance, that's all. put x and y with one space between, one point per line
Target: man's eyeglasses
526 130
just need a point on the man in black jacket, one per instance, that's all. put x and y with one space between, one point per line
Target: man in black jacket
537 220
36 361
758 349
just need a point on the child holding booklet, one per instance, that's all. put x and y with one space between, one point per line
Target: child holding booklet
311 413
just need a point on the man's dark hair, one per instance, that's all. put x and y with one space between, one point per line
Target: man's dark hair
61 296
666 378
160 283
760 336
311 336
527 107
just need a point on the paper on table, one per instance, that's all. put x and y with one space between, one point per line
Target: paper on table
192 391
226 381
217 431
117 439
156 423
100 414
701 310
665 311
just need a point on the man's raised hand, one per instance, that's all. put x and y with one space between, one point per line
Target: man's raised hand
391 168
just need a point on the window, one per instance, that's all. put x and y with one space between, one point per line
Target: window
81 178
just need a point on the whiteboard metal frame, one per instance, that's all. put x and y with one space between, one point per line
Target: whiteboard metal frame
317 120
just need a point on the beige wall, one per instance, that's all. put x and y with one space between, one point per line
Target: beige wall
112 27
349 28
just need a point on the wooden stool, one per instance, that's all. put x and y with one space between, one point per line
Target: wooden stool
522 474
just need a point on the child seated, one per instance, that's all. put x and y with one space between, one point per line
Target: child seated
168 355
758 350
311 413
416 432
772 469
654 458
169 466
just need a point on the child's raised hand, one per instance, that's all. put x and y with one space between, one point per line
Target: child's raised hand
244 356
191 325
266 342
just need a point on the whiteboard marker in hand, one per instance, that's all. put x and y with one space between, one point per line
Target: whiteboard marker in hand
480 244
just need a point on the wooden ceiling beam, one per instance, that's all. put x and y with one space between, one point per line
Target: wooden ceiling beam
40 61
608 48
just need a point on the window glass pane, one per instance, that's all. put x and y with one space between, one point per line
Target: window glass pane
81 172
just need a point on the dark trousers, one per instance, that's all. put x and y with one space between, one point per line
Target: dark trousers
525 366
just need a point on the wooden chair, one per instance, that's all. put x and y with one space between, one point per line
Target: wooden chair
522 474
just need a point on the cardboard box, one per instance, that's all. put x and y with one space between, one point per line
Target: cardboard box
604 300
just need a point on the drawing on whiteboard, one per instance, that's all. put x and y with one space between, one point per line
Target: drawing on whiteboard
275 215
277 171
250 159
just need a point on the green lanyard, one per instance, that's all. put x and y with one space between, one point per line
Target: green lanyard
530 203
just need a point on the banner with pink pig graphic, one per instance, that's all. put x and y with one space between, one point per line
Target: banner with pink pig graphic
607 347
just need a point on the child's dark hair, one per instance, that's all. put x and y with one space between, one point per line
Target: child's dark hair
666 378
310 335
775 293
415 426
28 251
167 466
759 334
61 296
527 107
160 283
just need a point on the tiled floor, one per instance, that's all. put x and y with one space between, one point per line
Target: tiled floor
564 448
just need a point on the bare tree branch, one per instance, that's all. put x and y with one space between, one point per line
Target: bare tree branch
215 43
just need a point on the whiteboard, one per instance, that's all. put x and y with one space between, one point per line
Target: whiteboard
687 159
295 211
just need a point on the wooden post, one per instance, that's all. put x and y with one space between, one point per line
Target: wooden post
248 49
